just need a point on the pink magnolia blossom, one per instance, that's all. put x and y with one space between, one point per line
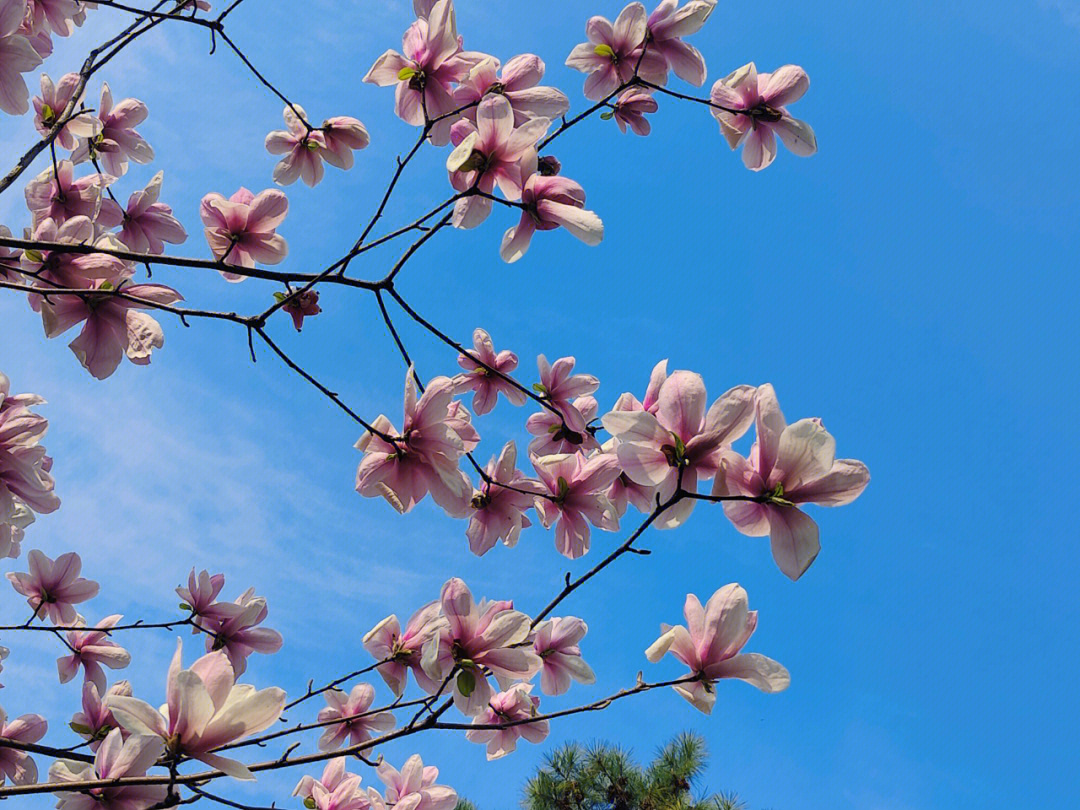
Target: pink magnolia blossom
116 141
17 56
116 758
401 652
113 325
710 643
499 511
13 523
57 16
14 764
577 485
414 787
50 105
300 305
752 110
513 705
628 402
623 491
556 642
95 720
550 202
558 384
791 465
493 151
518 84
147 223
431 61
303 149
242 229
346 708
237 634
343 134
92 648
630 109
53 587
613 55
486 384
333 776
205 709
478 639
25 483
553 434
681 442
200 597
668 24
71 270
61 196
424 456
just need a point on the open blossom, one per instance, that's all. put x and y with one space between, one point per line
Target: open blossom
513 705
425 457
630 109
431 61
341 706
550 202
517 84
116 139
56 268
342 135
791 465
205 709
57 16
242 230
401 651
200 597
92 648
558 384
668 24
50 105
14 764
680 444
576 485
300 305
147 223
476 638
95 720
710 646
414 786
60 196
113 325
333 777
486 384
237 634
302 147
628 402
613 55
556 642
116 758
53 587
493 151
552 431
499 511
25 482
17 56
755 111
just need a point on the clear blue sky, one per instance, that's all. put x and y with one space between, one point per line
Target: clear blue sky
914 284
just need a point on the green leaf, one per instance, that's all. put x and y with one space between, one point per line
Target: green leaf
79 728
607 116
406 73
34 255
280 296
466 682
604 50
309 803
539 388
186 606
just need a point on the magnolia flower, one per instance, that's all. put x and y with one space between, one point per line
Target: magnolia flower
414 785
60 196
70 270
512 706
628 402
788 465
114 327
668 24
13 528
25 482
95 720
401 652
236 633
333 776
17 56
556 642
751 108
242 229
115 759
50 105
486 384
345 708
550 202
205 709
577 485
302 146
117 139
499 511
477 639
53 587
517 84
493 151
341 135
92 648
14 764
553 434
147 223
630 109
558 385
681 442
424 456
432 61
613 55
200 597
300 305
710 645
58 16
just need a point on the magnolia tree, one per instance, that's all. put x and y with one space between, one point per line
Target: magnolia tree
476 666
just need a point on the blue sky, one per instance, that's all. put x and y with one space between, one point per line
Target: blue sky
913 284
